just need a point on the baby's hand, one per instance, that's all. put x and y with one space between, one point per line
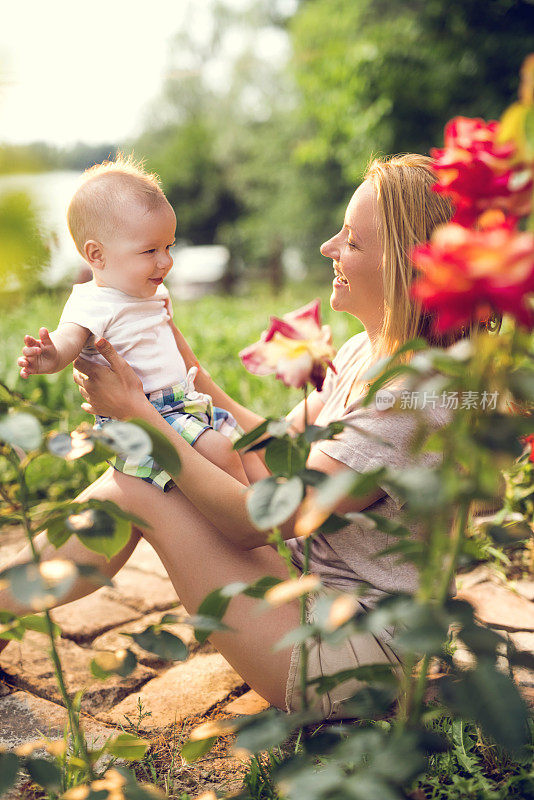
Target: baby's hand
38 355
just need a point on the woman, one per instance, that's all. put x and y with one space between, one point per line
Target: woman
201 530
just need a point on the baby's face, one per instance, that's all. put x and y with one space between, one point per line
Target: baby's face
136 255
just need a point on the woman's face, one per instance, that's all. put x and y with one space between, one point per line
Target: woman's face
356 253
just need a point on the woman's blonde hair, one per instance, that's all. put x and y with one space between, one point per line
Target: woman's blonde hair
408 212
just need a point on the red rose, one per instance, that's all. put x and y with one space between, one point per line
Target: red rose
478 173
467 273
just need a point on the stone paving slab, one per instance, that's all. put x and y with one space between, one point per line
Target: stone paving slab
113 640
185 690
249 703
499 607
142 591
145 559
524 588
480 574
25 717
84 619
12 540
27 665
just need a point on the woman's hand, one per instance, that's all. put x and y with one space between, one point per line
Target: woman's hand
115 391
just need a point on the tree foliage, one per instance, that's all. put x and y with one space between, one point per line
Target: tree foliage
378 76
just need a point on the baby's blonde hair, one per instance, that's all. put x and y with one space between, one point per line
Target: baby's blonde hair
98 204
408 212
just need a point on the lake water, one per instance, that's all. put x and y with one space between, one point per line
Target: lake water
51 193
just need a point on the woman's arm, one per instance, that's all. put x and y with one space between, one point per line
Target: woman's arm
118 392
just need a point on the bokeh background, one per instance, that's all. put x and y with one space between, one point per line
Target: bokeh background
259 116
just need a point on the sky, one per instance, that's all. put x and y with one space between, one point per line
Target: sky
72 70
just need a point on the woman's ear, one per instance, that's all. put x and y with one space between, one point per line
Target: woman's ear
94 254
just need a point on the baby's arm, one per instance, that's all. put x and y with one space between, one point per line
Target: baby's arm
52 352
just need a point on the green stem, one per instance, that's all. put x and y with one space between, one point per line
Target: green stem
452 556
303 598
303 621
275 537
58 669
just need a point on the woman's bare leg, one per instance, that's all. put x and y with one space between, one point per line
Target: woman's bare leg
198 560
73 550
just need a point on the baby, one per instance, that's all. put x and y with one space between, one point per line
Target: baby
124 227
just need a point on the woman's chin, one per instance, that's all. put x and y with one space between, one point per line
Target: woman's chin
337 302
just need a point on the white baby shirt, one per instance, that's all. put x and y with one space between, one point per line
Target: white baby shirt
137 328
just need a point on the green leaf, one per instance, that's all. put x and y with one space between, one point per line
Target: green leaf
214 605
386 525
126 438
170 619
263 731
422 488
499 433
31 587
9 767
278 427
521 382
491 699
90 573
318 433
346 482
21 430
123 666
99 531
295 636
481 641
57 532
427 633
370 702
400 760
193 750
259 587
312 477
44 772
313 784
333 524
380 673
162 643
204 625
162 450
286 456
252 435
271 502
366 785
127 746
35 622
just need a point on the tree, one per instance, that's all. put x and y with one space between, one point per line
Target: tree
381 77
221 135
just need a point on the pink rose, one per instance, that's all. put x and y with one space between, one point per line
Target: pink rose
296 348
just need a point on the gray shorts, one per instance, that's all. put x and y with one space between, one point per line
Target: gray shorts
327 659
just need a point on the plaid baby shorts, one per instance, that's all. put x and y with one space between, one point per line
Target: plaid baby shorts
190 413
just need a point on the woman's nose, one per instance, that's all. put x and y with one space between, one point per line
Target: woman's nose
328 249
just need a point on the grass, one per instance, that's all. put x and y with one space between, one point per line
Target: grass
216 327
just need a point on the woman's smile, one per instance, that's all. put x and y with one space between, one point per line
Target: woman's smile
339 277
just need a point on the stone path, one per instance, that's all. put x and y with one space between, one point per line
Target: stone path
174 698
